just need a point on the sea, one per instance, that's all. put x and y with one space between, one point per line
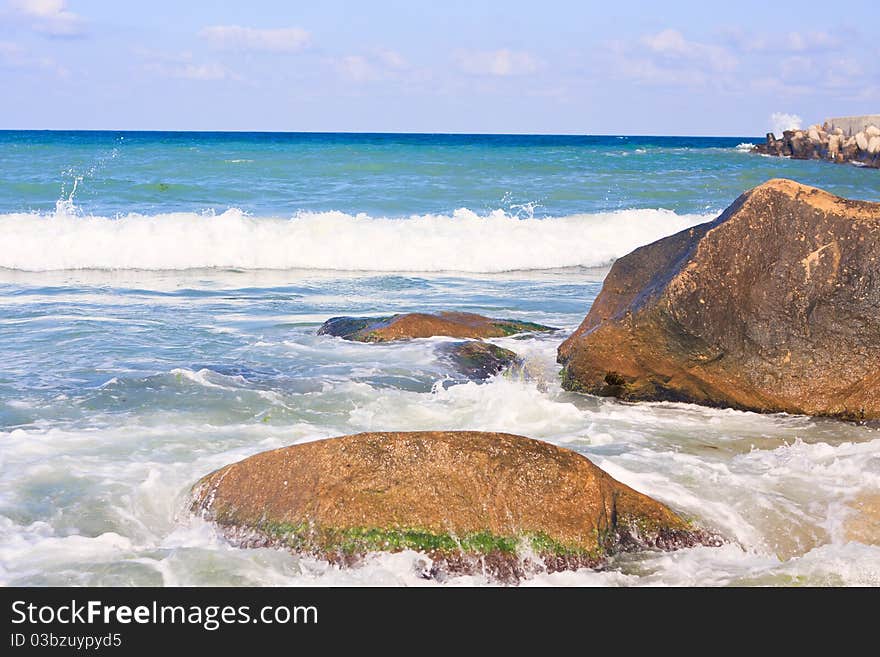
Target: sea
159 300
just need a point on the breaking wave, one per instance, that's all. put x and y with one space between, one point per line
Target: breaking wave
463 241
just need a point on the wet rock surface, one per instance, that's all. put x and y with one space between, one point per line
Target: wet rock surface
425 325
471 501
771 307
477 360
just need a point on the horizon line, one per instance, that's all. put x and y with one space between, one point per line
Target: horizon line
375 132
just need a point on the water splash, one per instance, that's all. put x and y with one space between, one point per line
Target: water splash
524 210
66 206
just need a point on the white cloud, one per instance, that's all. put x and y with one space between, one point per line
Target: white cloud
810 41
789 42
502 62
814 74
669 58
50 17
646 70
668 41
376 65
391 59
236 37
672 44
356 68
782 121
14 57
199 72
797 68
9 51
847 67
182 67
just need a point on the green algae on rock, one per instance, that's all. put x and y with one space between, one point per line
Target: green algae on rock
478 360
471 501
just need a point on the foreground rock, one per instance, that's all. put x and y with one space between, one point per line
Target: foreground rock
470 500
425 325
771 307
848 139
478 360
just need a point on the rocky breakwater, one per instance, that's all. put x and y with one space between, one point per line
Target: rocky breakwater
843 141
473 358
771 307
471 501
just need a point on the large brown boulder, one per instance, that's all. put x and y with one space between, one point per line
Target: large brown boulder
470 500
771 307
425 325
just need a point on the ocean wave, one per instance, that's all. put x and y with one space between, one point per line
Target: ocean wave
463 241
745 147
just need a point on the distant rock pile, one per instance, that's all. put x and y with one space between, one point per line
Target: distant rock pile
850 139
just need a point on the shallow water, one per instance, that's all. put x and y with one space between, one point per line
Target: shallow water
120 389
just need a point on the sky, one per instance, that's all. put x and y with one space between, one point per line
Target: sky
553 67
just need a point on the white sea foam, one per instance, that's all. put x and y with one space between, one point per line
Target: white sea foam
782 121
463 241
774 503
97 473
779 488
745 147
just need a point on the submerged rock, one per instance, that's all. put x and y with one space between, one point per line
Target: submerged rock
472 501
478 360
771 307
863 524
425 325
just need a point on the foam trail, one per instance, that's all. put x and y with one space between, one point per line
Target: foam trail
463 241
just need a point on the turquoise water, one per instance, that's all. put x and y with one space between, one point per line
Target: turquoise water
269 174
160 293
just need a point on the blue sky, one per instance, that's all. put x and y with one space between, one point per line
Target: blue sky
621 67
